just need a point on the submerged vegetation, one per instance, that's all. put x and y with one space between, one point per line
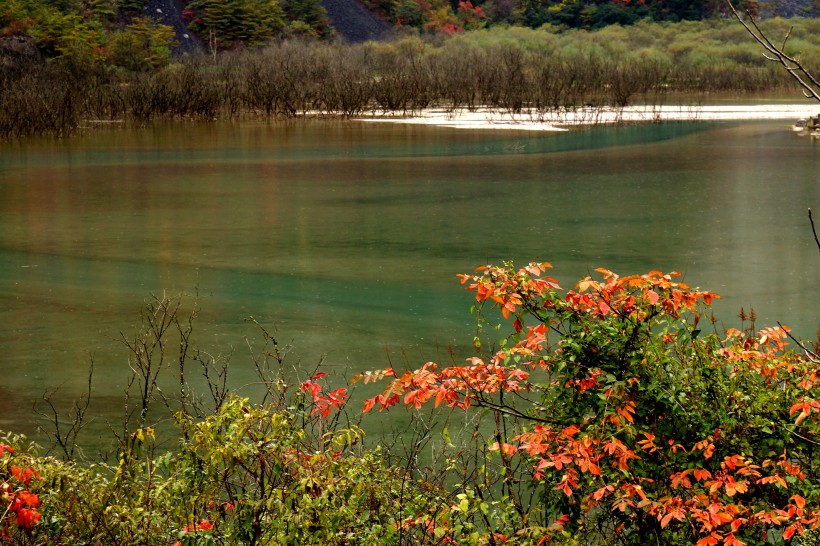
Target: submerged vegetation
513 69
615 412
65 65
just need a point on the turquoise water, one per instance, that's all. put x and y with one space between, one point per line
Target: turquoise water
345 237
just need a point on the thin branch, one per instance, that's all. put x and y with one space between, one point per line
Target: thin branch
483 402
793 433
814 231
811 355
811 87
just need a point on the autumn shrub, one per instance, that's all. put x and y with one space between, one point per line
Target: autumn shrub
614 412
617 413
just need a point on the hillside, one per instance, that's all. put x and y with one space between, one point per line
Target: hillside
354 22
169 12
142 35
351 20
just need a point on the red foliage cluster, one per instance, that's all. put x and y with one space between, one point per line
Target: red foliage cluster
20 504
325 402
620 454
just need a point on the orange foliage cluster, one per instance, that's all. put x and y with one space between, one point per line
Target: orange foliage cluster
613 457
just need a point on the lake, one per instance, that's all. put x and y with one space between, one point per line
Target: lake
345 237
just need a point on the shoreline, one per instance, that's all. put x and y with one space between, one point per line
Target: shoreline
489 118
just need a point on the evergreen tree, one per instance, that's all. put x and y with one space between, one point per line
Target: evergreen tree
309 12
231 22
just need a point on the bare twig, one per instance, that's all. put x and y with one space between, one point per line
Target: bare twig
811 355
66 433
810 85
814 231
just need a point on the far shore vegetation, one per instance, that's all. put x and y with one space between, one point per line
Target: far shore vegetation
58 91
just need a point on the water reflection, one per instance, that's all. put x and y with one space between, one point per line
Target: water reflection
347 236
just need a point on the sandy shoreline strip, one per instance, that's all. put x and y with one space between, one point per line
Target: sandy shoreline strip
485 118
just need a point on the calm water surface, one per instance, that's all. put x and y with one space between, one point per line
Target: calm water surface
345 237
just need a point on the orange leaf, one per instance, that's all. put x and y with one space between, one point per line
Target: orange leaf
505 448
676 514
799 501
799 406
701 474
709 540
789 532
709 451
732 541
439 397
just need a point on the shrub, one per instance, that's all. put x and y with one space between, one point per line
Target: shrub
227 471
247 474
20 505
619 418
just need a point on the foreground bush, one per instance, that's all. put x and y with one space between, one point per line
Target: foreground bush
609 414
210 467
619 418
247 474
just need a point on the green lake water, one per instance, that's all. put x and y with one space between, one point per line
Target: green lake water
345 237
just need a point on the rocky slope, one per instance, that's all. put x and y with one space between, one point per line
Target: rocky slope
354 22
169 12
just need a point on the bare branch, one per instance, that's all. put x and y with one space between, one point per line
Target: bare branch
814 230
67 427
811 87
810 355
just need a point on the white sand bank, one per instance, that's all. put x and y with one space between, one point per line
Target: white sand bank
495 119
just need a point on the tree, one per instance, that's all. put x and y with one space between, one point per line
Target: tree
311 13
234 22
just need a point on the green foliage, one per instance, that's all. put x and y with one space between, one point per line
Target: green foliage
310 15
67 35
246 474
131 7
143 46
226 472
610 413
89 33
225 24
